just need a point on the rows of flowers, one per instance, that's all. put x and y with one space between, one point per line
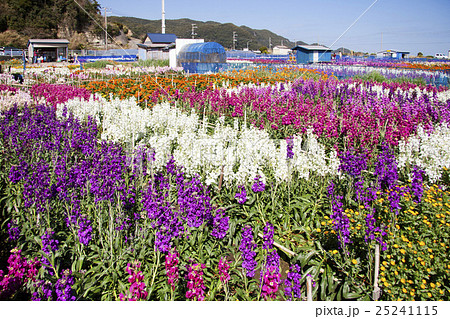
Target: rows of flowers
192 199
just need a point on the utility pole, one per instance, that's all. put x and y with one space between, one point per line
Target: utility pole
234 40
163 20
194 26
106 28
248 43
270 43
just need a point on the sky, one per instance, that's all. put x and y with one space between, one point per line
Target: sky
359 25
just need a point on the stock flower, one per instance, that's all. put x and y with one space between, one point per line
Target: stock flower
270 283
195 284
292 283
242 196
247 247
171 263
224 265
258 186
136 279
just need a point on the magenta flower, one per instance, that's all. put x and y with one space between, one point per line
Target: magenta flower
270 283
172 268
224 265
137 288
195 285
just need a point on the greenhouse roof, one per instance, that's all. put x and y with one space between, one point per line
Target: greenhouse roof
207 47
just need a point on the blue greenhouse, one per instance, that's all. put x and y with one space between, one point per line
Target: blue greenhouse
202 57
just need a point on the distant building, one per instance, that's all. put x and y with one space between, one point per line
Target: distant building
393 54
281 50
312 53
156 46
50 50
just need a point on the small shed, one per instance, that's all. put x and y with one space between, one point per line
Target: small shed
156 46
312 53
202 57
281 50
393 54
50 50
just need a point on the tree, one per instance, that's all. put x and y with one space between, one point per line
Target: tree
420 54
263 50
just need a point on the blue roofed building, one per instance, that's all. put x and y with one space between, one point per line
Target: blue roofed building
156 46
312 53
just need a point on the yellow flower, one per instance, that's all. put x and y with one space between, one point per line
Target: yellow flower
386 284
402 251
424 281
421 243
429 294
323 223
388 256
395 246
403 280
430 250
335 252
441 292
318 230
392 262
382 268
385 264
412 293
354 261
432 285
431 256
422 286
404 290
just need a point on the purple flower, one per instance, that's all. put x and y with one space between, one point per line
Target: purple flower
220 224
258 186
417 183
248 255
292 283
290 147
386 169
13 231
63 287
268 236
242 196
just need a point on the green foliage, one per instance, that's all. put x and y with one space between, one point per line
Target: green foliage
264 50
148 63
35 18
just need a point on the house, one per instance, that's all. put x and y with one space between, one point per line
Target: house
281 50
156 46
312 53
393 54
50 50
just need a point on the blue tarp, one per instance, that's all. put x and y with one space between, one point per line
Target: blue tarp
117 58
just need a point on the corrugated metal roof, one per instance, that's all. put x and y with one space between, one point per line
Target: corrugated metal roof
162 37
48 41
312 47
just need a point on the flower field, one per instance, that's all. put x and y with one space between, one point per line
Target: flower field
151 184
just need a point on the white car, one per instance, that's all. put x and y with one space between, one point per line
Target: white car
440 56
